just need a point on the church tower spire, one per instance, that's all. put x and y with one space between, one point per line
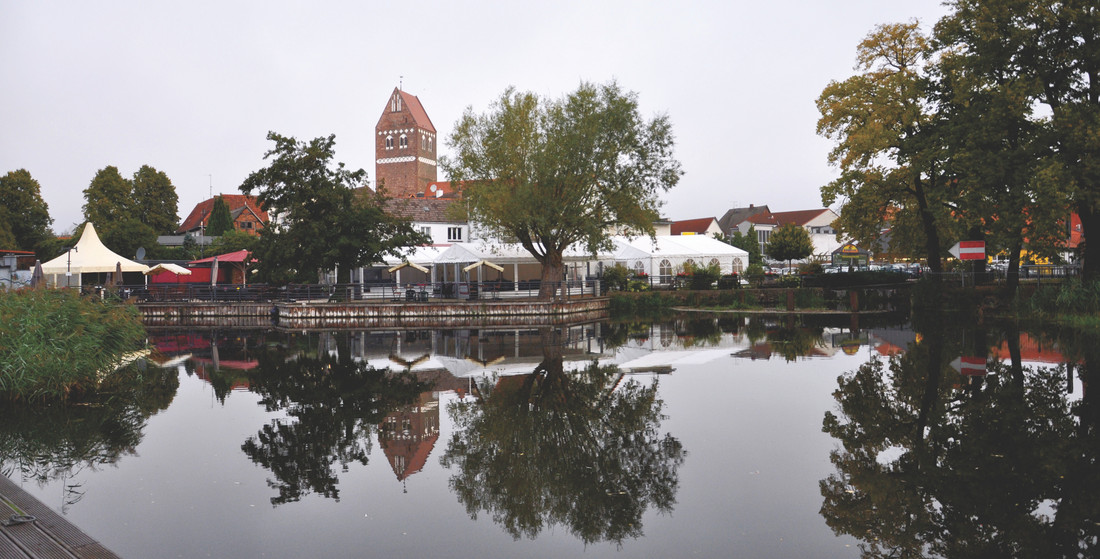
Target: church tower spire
404 147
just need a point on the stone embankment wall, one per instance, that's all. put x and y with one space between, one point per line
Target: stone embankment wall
374 315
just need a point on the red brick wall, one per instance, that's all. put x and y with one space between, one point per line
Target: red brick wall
406 178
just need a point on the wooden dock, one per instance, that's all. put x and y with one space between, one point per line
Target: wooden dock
43 533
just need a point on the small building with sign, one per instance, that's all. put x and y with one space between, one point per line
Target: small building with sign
850 255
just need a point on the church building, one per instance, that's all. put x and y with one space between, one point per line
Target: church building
405 147
406 169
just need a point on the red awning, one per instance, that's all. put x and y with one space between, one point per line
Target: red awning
238 256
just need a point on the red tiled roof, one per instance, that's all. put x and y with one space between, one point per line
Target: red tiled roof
762 217
201 214
699 225
417 110
800 217
423 210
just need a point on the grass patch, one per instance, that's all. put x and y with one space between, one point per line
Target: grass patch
54 343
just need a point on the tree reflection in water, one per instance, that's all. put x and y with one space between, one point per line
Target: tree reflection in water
934 463
580 449
333 404
47 443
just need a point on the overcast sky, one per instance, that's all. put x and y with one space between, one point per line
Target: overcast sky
192 88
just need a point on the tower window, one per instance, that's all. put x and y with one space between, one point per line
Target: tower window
389 142
430 142
404 141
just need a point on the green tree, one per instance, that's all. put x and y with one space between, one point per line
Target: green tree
891 164
746 242
1011 191
550 174
155 201
221 221
580 450
318 220
7 238
333 405
1041 54
26 214
107 200
232 241
789 242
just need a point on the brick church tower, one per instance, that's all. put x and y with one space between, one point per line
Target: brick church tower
404 147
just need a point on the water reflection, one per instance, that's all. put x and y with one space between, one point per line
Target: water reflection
48 443
997 461
582 450
333 404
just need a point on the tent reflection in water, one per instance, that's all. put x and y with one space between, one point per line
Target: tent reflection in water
90 256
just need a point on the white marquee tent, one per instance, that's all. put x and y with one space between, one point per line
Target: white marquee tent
89 256
667 254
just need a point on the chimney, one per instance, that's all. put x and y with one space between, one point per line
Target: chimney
750 206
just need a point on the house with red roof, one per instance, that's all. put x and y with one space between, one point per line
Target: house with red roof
817 222
247 215
701 226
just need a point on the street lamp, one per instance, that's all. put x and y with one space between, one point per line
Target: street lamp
69 266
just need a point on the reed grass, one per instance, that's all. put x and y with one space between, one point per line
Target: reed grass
54 343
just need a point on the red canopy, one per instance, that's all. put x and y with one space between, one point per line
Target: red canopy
239 256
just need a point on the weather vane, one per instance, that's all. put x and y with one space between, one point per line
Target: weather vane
400 79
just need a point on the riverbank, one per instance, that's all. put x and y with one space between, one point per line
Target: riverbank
371 314
56 344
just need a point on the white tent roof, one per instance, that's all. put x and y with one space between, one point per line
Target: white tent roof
502 253
168 267
422 255
90 256
685 246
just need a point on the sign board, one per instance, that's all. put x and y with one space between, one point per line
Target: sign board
968 250
969 365
849 250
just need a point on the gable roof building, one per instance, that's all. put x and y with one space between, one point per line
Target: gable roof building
405 147
701 226
734 217
245 211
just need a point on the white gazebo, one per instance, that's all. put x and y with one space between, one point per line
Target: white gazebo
88 256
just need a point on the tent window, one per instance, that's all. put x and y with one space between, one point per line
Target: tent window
639 268
737 268
713 262
666 270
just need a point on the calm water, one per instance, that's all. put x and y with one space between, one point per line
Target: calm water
710 438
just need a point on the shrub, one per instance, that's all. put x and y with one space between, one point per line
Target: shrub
55 342
729 281
703 278
616 278
755 275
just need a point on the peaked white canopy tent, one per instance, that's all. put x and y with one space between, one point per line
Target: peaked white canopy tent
88 256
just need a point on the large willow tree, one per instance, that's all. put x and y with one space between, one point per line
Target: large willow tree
552 173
